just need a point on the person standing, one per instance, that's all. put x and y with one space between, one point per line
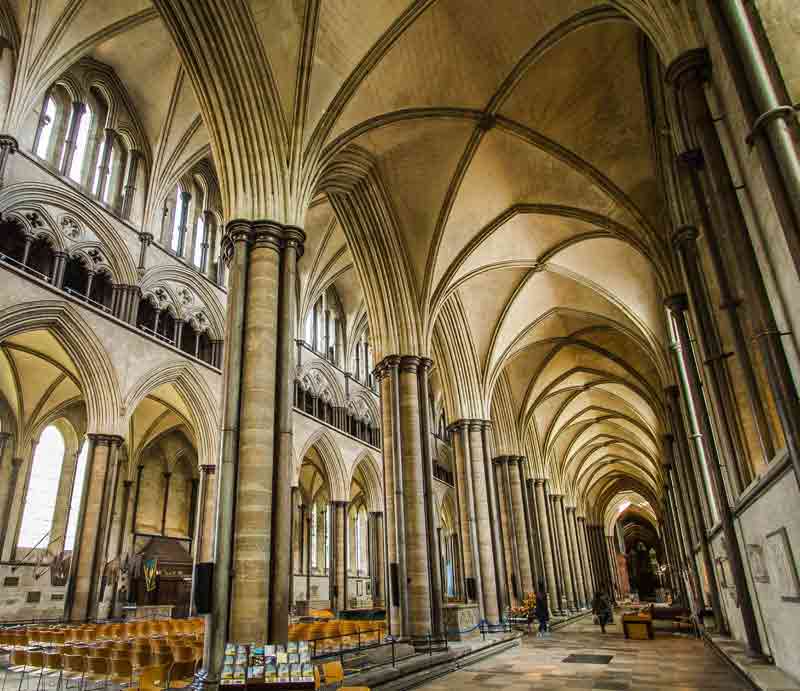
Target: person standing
601 608
542 611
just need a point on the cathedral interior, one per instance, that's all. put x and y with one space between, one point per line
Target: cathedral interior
401 312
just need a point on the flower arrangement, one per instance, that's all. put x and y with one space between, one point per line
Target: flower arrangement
526 609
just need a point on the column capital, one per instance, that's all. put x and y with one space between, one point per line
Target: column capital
127 483
582 519
339 502
684 236
376 514
9 143
208 468
569 508
5 436
677 302
672 391
106 439
458 425
425 364
146 238
16 462
294 237
167 474
409 363
500 459
692 66
266 234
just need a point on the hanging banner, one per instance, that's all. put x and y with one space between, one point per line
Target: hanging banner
149 568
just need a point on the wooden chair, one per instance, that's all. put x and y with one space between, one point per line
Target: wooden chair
74 669
152 678
121 672
334 674
98 670
53 668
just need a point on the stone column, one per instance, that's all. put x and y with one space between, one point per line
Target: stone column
379 573
561 532
434 562
547 552
87 555
529 509
78 109
8 147
678 495
488 544
520 526
386 373
66 483
582 596
586 559
692 479
105 162
417 558
165 502
11 491
129 191
339 525
508 546
468 514
464 546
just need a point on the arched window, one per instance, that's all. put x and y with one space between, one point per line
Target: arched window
12 239
41 258
102 289
76 277
75 171
47 128
40 501
75 502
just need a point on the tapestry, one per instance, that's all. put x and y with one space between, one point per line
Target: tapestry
149 568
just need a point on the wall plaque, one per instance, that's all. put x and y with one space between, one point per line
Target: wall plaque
782 565
758 564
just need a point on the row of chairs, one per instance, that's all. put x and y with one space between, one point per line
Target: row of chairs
335 635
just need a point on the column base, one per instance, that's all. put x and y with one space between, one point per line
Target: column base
204 681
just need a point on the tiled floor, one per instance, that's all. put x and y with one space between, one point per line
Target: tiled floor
668 663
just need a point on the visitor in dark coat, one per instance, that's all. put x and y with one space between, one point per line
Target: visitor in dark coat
542 612
601 608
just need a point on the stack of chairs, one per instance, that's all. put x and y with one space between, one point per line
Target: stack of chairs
145 654
332 635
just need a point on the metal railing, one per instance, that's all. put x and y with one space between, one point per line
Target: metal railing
85 298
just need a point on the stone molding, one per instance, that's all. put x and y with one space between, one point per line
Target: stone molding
262 233
693 65
677 302
106 439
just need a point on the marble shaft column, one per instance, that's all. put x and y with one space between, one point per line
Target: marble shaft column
534 533
679 498
486 543
707 456
86 568
572 553
612 559
582 596
566 570
434 562
78 110
556 547
513 468
464 546
418 585
471 547
737 467
547 552
379 587
11 490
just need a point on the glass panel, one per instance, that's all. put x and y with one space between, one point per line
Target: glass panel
40 502
177 221
198 245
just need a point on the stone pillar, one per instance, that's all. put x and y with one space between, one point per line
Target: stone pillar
386 373
692 479
489 548
529 508
87 555
417 561
339 527
5 519
105 162
434 562
678 494
377 557
469 542
586 559
520 527
547 552
561 532
66 484
509 582
8 146
78 109
708 452
581 595
685 242
129 191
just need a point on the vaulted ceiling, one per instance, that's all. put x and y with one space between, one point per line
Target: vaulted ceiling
481 178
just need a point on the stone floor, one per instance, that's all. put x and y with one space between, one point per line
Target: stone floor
671 662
